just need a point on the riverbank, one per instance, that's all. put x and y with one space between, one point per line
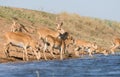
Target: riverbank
17 57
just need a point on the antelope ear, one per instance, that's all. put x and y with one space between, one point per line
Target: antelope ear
59 24
13 22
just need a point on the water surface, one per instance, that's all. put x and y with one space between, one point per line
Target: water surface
98 66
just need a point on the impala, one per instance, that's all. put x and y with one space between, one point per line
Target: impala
53 42
18 27
101 50
44 31
82 44
22 40
116 44
59 28
69 43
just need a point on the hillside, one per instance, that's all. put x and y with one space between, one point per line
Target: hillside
87 28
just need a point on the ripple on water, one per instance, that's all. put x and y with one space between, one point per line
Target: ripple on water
98 66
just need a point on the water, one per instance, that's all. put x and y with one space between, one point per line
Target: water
98 66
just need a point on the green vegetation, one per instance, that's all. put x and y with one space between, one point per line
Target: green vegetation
87 28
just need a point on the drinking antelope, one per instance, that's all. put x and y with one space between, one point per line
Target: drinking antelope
101 50
85 45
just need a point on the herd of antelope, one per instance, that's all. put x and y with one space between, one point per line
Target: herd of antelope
49 40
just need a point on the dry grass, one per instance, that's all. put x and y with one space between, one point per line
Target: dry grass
87 28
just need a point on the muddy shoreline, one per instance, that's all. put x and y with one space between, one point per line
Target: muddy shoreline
17 57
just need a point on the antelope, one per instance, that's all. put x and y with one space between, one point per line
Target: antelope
44 31
59 28
116 44
54 42
69 43
18 27
82 44
58 35
60 43
69 40
101 50
22 40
